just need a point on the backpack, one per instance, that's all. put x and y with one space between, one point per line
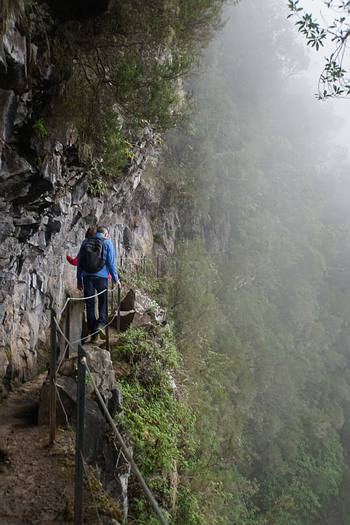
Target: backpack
91 255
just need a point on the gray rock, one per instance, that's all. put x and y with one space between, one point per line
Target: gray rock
144 306
44 64
52 168
16 176
8 106
24 111
4 361
127 238
14 166
15 49
139 310
3 63
66 388
101 367
128 302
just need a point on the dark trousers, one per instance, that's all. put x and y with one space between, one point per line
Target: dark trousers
93 285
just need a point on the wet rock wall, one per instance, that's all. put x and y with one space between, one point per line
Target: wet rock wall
45 207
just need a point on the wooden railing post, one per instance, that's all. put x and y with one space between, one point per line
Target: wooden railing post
67 330
52 388
118 313
79 441
107 314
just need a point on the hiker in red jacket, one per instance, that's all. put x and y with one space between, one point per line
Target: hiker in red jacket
90 232
96 259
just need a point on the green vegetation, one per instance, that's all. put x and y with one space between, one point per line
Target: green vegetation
115 83
40 128
102 501
160 425
97 185
158 238
143 277
129 80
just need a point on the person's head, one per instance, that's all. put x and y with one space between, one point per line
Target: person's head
103 230
90 232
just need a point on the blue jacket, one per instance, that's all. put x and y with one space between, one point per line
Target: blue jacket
109 258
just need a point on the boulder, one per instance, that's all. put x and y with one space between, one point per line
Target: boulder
137 309
101 368
146 307
66 392
128 302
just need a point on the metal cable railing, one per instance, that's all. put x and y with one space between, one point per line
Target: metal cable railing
56 328
55 365
69 427
125 449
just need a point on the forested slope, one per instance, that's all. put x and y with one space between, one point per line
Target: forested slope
262 295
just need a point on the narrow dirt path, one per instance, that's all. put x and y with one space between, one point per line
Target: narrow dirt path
36 482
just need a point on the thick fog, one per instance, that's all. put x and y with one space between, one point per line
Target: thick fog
263 176
306 74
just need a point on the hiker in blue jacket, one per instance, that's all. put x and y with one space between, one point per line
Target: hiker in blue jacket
96 259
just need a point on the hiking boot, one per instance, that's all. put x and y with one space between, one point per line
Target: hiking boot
94 338
101 331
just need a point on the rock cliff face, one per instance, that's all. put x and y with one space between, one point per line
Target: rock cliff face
45 206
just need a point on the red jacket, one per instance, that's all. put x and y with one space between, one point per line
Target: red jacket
72 260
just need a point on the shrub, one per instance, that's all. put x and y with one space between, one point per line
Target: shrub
160 426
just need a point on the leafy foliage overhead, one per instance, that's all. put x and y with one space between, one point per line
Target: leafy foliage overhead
122 70
334 29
